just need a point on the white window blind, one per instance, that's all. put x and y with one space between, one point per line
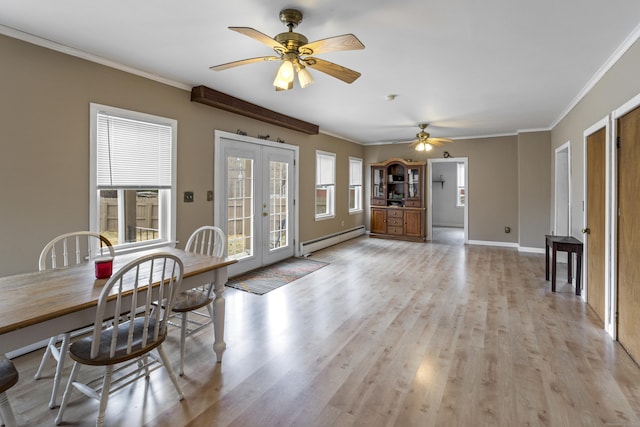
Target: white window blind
133 154
355 171
325 169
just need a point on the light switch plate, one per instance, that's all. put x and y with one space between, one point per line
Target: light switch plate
188 196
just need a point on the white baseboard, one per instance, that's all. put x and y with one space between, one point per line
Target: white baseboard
532 250
487 243
306 248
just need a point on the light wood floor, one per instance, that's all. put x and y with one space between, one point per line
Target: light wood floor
389 334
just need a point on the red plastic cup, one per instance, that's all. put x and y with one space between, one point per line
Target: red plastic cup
104 268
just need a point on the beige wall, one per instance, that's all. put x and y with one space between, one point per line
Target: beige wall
534 187
492 176
44 166
617 86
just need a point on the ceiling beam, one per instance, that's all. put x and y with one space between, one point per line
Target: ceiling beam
213 98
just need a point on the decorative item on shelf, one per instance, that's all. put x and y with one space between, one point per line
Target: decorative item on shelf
241 132
446 155
263 136
280 140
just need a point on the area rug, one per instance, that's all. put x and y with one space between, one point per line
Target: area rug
268 278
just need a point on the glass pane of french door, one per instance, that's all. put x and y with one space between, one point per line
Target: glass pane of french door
279 199
240 202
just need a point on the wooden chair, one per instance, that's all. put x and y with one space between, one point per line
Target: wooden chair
206 240
65 251
135 328
8 378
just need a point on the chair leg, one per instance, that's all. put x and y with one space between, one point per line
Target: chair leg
183 336
167 365
60 355
67 392
104 395
210 310
45 357
57 379
5 410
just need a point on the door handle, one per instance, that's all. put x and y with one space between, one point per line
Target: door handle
265 213
586 230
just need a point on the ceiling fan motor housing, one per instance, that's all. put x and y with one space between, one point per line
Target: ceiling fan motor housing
291 40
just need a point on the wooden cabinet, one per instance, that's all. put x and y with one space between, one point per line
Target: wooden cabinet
397 200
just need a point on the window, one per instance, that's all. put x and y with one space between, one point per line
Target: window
460 198
325 184
355 184
133 177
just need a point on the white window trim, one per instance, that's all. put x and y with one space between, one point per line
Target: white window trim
332 214
167 221
360 209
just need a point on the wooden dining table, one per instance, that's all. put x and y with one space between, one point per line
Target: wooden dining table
36 306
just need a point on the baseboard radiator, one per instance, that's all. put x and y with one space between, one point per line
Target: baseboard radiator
306 248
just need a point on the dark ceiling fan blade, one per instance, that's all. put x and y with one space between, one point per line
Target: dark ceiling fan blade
333 44
243 62
334 70
261 37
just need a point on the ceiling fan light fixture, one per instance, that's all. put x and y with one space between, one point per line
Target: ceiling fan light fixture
284 77
420 146
304 77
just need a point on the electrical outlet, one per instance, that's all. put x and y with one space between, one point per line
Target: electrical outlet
507 230
209 196
188 196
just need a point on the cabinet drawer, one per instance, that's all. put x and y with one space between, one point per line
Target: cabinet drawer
395 222
395 213
378 202
399 231
412 203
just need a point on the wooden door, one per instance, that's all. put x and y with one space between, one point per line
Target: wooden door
595 240
629 233
378 220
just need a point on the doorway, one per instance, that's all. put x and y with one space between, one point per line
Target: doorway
456 197
256 188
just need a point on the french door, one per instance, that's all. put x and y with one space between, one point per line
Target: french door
255 186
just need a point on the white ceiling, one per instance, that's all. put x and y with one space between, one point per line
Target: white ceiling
467 67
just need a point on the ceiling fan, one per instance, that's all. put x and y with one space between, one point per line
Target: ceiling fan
294 53
425 142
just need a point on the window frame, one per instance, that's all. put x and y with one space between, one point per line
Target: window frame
329 187
167 198
356 187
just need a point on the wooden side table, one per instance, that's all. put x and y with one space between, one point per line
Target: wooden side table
568 244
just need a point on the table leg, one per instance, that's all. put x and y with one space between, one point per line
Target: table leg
569 266
218 313
578 272
553 269
546 260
